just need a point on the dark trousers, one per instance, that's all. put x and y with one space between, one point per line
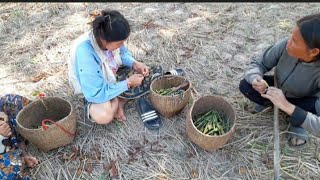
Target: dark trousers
306 103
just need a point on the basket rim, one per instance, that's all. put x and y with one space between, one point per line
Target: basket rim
169 75
51 97
231 130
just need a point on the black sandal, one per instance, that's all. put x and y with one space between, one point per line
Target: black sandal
148 114
144 88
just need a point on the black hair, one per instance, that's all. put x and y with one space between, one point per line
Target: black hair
110 26
309 27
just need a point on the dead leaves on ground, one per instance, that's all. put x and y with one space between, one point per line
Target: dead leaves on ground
92 15
97 153
88 168
150 24
266 159
94 158
188 52
114 169
75 153
111 168
90 160
194 174
242 170
39 77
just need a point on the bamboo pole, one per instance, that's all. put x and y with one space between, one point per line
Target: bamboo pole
276 153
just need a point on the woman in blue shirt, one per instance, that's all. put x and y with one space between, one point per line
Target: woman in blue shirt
95 59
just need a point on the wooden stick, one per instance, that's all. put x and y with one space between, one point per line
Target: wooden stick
276 153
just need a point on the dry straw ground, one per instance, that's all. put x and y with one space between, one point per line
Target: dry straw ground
213 42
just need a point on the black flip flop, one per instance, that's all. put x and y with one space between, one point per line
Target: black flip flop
148 114
144 88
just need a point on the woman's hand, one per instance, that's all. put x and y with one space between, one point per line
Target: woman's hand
141 68
5 129
259 84
135 80
277 97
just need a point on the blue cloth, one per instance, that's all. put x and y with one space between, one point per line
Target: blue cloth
90 76
10 161
11 167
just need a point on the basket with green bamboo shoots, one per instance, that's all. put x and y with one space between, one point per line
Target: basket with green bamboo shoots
169 94
169 91
210 122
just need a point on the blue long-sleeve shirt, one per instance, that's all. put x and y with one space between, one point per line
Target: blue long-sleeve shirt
89 74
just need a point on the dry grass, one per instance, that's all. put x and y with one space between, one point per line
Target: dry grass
213 42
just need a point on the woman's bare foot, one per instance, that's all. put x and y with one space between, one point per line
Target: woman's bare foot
30 161
120 116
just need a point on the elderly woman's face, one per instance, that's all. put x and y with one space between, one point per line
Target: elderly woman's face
297 47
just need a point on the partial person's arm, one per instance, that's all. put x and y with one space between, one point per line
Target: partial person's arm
93 86
307 120
299 117
266 61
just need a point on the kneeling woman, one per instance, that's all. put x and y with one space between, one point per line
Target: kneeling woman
95 59
297 68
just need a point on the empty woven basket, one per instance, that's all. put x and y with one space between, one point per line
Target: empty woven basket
56 109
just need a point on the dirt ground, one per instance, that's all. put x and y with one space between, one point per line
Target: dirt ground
213 42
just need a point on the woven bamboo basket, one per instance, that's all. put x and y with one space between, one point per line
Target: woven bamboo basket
168 106
54 108
205 104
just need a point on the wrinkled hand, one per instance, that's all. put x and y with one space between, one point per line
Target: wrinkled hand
5 129
141 68
259 84
278 99
135 80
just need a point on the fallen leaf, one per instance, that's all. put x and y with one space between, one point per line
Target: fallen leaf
187 52
79 171
187 49
189 155
156 150
154 143
145 140
107 167
150 24
114 169
132 156
38 77
267 161
95 13
242 170
132 159
89 168
92 15
97 152
193 15
194 174
162 177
